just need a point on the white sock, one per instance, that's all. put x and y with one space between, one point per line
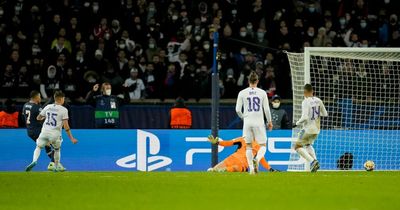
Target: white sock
311 151
249 156
261 153
303 153
36 154
57 156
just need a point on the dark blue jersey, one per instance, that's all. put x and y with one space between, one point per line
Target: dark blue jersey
30 111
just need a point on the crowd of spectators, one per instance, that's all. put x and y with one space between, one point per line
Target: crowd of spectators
163 49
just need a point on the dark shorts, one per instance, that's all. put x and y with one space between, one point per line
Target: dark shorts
34 135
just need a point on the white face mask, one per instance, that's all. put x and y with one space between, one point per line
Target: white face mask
107 36
121 46
260 35
198 38
243 34
9 40
107 92
174 17
151 46
276 105
95 8
206 46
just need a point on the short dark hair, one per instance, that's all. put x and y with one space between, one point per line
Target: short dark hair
308 88
58 94
253 77
34 93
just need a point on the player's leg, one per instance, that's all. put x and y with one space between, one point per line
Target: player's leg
34 135
299 147
57 154
260 135
220 167
249 136
50 152
40 143
310 149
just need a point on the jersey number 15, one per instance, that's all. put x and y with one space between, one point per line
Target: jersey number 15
51 119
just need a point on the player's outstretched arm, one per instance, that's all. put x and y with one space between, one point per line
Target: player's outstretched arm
68 130
220 142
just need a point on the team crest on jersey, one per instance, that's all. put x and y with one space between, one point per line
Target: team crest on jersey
113 105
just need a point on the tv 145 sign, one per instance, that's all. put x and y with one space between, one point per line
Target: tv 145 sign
189 150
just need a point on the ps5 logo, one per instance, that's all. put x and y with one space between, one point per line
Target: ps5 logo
141 160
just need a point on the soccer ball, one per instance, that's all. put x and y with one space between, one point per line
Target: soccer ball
369 165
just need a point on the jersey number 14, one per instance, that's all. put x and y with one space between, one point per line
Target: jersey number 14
315 112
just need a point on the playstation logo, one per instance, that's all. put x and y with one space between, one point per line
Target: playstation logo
142 160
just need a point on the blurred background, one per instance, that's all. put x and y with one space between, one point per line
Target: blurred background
152 52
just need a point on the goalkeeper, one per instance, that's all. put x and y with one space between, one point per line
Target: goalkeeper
237 162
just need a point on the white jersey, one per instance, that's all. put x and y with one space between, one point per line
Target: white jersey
312 109
255 105
135 94
55 114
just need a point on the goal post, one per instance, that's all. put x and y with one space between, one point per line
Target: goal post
361 91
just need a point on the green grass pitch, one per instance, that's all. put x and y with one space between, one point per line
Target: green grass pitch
199 190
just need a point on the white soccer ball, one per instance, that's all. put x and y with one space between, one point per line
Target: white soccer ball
369 165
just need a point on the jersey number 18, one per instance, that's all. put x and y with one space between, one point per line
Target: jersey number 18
254 104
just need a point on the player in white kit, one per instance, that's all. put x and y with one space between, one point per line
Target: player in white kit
254 102
56 117
312 108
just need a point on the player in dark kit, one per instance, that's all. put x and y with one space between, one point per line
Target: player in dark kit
30 111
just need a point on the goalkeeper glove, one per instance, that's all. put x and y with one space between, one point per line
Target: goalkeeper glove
212 139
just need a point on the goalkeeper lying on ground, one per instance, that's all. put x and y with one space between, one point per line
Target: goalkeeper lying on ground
237 162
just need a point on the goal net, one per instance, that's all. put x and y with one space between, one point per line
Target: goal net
361 91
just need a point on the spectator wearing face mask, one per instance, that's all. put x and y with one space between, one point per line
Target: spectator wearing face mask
321 40
152 49
260 37
244 33
279 116
106 105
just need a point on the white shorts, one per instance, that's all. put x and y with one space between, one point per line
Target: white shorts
46 138
257 133
306 138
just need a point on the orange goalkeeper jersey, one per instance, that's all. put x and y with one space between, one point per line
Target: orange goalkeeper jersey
239 157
